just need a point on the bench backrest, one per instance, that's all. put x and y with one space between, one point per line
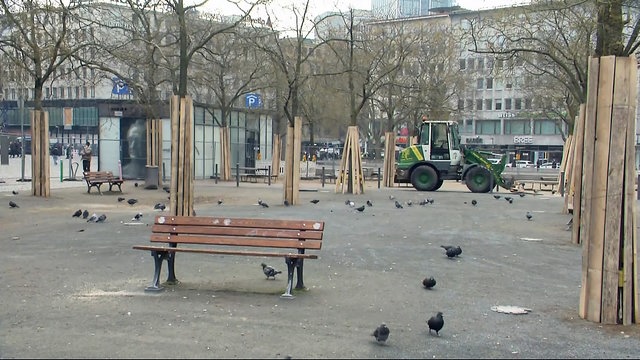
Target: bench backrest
98 175
292 234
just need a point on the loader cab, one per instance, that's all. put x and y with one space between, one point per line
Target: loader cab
440 141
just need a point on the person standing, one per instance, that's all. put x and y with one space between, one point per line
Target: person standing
86 157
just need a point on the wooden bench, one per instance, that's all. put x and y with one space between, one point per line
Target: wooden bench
233 236
97 178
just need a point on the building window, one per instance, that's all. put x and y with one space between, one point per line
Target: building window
507 104
470 64
55 92
468 126
47 93
13 94
480 64
93 92
460 104
527 104
61 92
489 83
77 92
469 104
463 64
498 104
518 104
517 127
479 104
487 127
480 84
84 92
509 85
545 127
488 104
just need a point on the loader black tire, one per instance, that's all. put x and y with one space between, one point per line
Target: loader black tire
425 178
478 180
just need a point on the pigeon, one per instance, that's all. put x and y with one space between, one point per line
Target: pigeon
398 205
14 192
496 196
391 197
347 202
409 202
474 202
529 216
259 201
381 333
85 214
269 271
430 201
121 199
132 201
452 251
78 213
13 205
135 184
220 202
360 209
508 198
436 323
429 282
159 206
510 201
369 203
264 204
286 202
521 194
167 189
314 201
424 202
137 217
93 218
101 218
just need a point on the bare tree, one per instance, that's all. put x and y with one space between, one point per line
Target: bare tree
555 39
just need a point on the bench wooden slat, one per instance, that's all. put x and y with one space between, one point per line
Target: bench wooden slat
236 222
248 232
237 241
226 252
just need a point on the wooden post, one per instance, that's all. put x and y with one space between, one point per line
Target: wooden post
389 158
565 167
181 156
609 276
40 163
275 158
292 161
154 145
576 179
225 153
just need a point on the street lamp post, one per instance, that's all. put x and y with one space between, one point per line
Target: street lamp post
24 141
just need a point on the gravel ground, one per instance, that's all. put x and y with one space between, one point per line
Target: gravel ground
72 289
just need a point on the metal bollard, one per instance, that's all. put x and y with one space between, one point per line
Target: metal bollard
322 177
215 174
269 175
237 174
561 183
379 178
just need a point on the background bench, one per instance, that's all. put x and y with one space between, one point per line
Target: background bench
97 178
233 236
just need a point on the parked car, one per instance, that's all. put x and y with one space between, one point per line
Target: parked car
524 164
495 161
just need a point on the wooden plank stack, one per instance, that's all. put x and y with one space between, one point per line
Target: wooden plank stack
154 145
40 166
181 195
566 167
292 161
389 159
351 178
576 179
609 292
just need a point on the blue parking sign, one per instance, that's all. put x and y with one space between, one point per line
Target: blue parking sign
253 101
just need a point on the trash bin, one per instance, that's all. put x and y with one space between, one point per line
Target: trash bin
151 180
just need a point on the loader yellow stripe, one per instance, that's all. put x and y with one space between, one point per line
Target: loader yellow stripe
417 153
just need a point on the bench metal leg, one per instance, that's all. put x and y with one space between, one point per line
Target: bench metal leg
291 265
158 257
300 283
171 277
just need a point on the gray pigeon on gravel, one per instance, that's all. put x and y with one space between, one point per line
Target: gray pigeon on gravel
436 323
137 217
529 216
85 214
101 218
132 201
159 206
13 205
381 333
93 218
398 205
78 213
269 271
452 251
